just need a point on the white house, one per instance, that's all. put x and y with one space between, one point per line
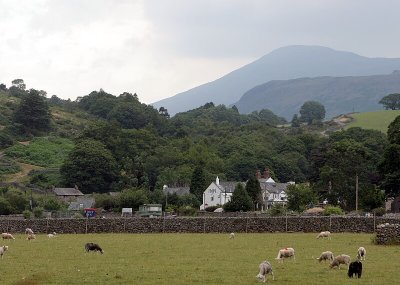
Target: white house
218 193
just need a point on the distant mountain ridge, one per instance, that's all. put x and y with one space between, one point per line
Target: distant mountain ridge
339 95
281 64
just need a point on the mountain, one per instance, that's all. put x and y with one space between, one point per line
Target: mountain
339 95
281 64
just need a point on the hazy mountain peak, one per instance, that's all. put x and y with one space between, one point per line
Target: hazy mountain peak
284 63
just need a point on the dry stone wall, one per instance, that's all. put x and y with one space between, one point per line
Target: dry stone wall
197 225
388 233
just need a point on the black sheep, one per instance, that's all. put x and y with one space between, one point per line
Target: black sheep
355 268
93 247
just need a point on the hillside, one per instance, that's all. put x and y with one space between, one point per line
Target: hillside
378 120
339 95
282 64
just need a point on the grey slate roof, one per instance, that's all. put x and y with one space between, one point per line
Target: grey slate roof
228 186
178 190
67 192
274 187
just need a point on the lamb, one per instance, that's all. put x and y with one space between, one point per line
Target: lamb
232 236
326 255
285 253
29 231
93 247
30 237
340 259
355 268
3 249
7 236
326 234
361 253
265 268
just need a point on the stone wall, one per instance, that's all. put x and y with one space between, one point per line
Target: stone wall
197 225
388 233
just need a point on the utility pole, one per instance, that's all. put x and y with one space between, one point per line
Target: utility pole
356 192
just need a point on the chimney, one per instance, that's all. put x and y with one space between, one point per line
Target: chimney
165 187
258 174
217 181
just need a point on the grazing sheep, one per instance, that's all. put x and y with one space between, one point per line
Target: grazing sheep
52 235
93 247
29 231
30 237
355 268
265 268
326 234
7 236
361 253
285 253
3 249
340 259
326 255
232 236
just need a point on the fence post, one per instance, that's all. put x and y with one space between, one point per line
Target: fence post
163 224
86 224
124 225
330 223
204 225
247 222
286 222
374 223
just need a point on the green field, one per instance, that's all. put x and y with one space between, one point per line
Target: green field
190 259
378 120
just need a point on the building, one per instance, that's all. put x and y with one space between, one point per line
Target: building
180 191
273 193
218 193
67 194
81 203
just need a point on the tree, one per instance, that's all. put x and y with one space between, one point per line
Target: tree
295 121
312 111
300 197
19 83
33 112
198 183
391 101
90 166
253 188
393 132
240 201
390 170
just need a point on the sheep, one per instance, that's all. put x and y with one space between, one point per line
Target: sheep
265 268
3 249
29 231
30 237
361 253
285 253
355 268
7 236
340 259
52 235
326 255
324 234
232 236
93 247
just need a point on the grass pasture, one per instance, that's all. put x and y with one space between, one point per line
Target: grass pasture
378 120
190 259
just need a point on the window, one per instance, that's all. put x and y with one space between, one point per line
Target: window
212 198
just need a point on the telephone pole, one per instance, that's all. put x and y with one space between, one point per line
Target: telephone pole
356 192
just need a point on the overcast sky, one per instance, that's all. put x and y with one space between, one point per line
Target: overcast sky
158 48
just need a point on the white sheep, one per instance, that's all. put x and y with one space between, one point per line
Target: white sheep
3 249
285 253
7 236
29 231
232 236
361 253
326 255
325 234
265 268
52 235
340 259
31 237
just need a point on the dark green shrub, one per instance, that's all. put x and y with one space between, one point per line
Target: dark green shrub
277 210
332 210
27 214
379 211
38 212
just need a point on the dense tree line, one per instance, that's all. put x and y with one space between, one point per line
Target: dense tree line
130 146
